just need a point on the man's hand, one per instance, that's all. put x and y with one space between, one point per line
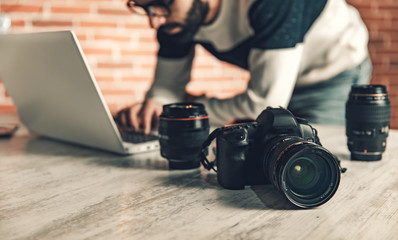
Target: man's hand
140 116
192 98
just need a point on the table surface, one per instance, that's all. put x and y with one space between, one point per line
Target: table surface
53 190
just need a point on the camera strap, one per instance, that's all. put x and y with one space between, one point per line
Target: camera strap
203 155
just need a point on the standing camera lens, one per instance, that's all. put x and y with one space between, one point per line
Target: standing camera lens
304 172
183 127
367 121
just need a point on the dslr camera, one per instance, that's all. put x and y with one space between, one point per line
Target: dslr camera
277 148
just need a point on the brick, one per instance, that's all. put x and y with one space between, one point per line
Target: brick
394 104
138 73
149 40
70 10
114 38
394 79
360 3
5 109
138 53
382 73
389 5
21 8
97 51
140 25
119 11
113 108
394 100
388 28
393 36
389 49
393 94
81 37
18 23
371 14
97 1
22 2
104 78
115 65
138 79
51 23
394 117
394 61
102 24
117 92
140 47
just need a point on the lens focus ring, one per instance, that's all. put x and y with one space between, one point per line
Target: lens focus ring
368 113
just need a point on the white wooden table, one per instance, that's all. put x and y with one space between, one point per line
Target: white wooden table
52 190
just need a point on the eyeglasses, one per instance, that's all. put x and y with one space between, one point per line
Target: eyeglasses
156 8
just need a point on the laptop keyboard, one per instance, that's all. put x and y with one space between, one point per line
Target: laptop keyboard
138 137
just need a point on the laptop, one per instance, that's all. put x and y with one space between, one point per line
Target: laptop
56 95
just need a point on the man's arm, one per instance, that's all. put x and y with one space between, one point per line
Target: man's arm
171 77
273 77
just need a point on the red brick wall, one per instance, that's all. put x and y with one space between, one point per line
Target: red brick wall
381 18
121 48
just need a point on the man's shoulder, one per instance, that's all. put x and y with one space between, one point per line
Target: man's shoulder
264 12
283 23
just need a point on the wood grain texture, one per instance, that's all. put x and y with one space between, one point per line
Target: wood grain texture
52 190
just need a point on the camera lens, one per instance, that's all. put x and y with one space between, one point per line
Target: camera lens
367 121
304 172
183 127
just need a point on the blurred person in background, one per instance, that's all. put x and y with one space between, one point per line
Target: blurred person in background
301 54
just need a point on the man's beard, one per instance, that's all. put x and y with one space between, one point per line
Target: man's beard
195 18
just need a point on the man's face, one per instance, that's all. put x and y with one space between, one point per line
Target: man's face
184 20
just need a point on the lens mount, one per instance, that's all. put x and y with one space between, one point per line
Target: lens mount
366 156
178 164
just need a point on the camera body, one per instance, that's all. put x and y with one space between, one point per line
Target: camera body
243 149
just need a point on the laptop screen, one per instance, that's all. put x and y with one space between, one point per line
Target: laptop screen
55 93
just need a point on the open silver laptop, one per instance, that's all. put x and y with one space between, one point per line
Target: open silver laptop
55 93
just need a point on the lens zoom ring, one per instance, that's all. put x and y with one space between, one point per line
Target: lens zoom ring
368 113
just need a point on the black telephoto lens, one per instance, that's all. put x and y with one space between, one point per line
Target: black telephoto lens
367 121
183 127
305 173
